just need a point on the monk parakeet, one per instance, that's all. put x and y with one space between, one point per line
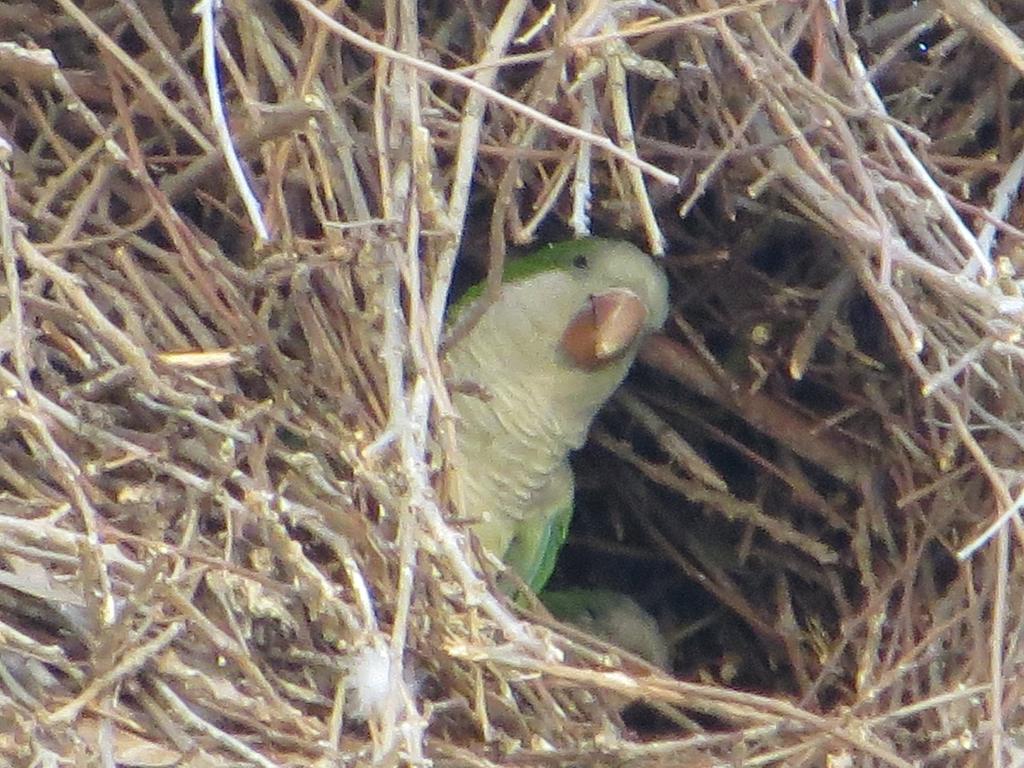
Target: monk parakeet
534 370
611 616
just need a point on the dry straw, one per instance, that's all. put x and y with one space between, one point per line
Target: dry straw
229 233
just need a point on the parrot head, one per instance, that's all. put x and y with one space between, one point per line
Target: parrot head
599 296
611 616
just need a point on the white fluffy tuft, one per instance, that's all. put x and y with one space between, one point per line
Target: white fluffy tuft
367 683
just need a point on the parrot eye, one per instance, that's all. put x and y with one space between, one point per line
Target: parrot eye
580 262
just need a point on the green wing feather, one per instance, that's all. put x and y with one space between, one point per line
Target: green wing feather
534 550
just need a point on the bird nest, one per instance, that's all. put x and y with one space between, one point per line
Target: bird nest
229 234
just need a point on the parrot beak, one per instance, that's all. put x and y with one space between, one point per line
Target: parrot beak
604 329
